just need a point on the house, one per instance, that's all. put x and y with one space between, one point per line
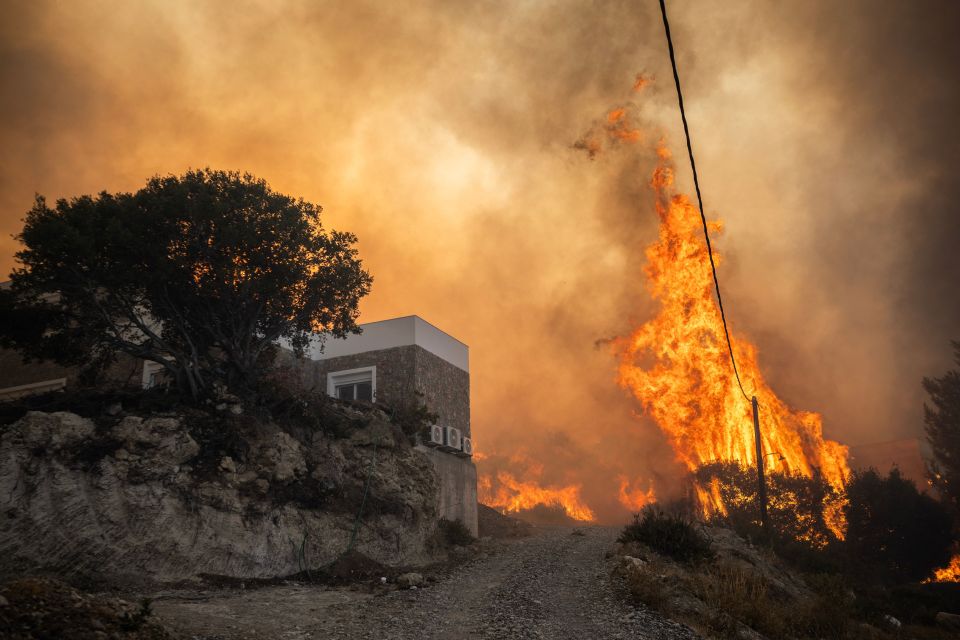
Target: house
403 361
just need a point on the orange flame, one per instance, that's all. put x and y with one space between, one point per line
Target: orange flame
635 499
678 367
514 495
950 573
641 81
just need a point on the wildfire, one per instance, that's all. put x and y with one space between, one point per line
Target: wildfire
512 495
678 367
634 499
950 573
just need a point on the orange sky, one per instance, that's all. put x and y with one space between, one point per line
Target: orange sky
441 133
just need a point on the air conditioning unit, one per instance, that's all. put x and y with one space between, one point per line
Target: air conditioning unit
451 438
436 436
467 448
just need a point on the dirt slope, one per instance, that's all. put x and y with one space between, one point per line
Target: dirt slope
554 584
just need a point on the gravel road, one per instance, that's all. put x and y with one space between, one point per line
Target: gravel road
552 585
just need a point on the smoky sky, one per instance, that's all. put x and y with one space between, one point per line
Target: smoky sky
442 134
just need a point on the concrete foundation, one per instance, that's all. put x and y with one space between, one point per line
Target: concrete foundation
458 487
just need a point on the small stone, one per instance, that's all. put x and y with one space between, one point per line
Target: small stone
236 409
3 601
227 465
409 580
892 622
113 408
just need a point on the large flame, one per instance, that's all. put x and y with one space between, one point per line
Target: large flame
512 496
678 367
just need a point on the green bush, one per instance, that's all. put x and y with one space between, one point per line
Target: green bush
670 534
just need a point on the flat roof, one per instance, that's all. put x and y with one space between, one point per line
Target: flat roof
397 332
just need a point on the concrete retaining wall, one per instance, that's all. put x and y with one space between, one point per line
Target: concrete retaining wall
458 487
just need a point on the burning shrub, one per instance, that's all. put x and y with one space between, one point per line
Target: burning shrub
798 506
670 534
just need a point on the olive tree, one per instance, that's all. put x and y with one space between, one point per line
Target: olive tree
204 273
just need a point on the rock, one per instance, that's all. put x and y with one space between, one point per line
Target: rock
410 580
949 621
150 511
891 622
747 633
114 408
227 465
57 431
3 601
869 631
235 409
281 458
634 563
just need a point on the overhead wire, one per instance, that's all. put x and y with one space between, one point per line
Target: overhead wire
696 184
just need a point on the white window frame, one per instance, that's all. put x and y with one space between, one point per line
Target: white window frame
348 376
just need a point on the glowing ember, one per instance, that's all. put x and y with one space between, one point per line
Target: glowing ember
678 367
512 496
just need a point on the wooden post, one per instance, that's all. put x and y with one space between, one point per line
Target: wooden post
760 477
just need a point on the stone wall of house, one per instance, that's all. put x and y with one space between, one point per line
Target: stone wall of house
125 372
402 372
396 372
445 389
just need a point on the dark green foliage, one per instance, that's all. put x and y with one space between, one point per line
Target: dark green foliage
203 273
894 533
911 604
413 417
942 417
455 533
670 534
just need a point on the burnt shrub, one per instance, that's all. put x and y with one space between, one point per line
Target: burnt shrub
670 534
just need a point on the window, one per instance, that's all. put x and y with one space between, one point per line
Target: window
355 391
353 384
153 374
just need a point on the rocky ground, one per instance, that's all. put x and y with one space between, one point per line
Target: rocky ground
553 584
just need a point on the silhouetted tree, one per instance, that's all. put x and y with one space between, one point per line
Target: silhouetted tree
942 418
204 273
894 532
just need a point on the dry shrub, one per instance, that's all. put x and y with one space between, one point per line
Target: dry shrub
455 533
738 597
646 587
670 534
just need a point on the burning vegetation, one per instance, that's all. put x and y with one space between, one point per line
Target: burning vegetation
678 367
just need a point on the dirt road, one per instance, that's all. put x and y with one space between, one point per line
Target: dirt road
552 585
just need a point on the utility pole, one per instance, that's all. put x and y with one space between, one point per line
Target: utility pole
760 478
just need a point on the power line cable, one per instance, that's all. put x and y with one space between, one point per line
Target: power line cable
696 184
